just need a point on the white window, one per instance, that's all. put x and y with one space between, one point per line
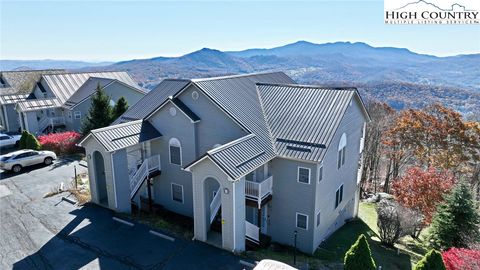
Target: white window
112 103
342 145
77 114
320 173
194 95
177 193
172 111
302 221
338 196
69 114
303 175
318 218
175 151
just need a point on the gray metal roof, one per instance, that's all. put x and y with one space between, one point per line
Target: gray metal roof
37 104
22 82
12 99
153 100
303 119
124 135
65 85
89 88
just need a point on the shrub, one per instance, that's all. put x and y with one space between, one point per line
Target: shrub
22 144
389 225
431 261
456 222
28 141
60 143
411 221
461 259
359 256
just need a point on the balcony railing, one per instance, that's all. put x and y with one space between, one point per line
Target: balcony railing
259 190
215 205
50 122
252 232
148 166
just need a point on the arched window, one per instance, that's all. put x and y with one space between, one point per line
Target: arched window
342 145
175 151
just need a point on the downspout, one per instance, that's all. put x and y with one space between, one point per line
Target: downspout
234 219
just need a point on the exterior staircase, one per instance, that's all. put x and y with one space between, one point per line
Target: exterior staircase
150 166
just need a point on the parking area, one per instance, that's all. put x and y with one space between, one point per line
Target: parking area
48 233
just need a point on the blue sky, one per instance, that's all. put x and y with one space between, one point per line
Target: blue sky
121 30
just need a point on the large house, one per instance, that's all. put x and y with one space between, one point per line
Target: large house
256 153
16 86
61 101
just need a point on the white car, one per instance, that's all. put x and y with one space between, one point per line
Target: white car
9 140
17 160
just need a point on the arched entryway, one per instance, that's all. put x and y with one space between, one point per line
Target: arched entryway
213 200
101 181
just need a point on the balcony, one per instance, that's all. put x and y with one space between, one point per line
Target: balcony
258 191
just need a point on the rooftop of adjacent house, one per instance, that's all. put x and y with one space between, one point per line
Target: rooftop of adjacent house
72 88
22 81
282 118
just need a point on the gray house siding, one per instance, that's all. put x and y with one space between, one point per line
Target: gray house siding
332 218
11 115
215 127
122 182
290 197
115 91
183 130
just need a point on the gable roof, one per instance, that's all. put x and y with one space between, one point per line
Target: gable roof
123 135
22 82
77 86
303 119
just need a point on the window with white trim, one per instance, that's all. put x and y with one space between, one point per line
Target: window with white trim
320 173
175 150
342 145
338 196
77 114
318 218
177 193
303 175
302 221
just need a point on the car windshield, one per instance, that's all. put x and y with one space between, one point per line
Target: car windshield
5 158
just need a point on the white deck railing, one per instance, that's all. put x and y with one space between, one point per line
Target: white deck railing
259 190
43 124
215 205
59 120
252 231
149 165
50 122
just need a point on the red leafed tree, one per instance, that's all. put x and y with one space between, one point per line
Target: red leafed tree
423 190
60 143
461 259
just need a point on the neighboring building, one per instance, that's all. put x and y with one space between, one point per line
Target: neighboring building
16 86
256 154
63 100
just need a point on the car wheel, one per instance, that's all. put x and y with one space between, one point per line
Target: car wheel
48 161
16 168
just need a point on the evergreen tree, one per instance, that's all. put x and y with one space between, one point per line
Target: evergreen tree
431 261
120 107
456 222
359 256
31 142
100 113
22 144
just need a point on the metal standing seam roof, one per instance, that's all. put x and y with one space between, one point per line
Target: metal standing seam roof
20 81
124 135
303 119
154 99
65 85
12 99
36 104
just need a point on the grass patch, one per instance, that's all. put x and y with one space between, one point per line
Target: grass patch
81 190
163 224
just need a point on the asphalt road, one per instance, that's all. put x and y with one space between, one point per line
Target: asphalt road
48 233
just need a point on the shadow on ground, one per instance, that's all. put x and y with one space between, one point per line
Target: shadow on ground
333 250
94 241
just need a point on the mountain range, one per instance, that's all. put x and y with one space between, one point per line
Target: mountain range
395 75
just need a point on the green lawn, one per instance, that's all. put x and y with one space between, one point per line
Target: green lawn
405 254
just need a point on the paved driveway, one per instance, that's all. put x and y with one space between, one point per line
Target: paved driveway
48 233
